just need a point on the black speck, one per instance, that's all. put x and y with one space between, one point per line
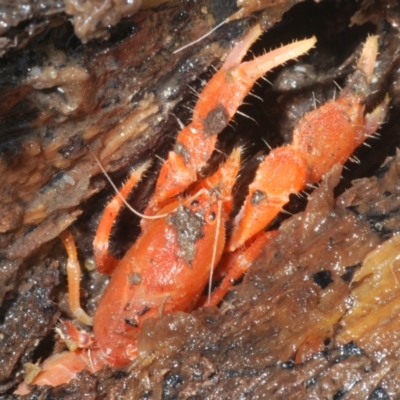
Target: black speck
380 394
173 380
323 278
311 382
170 386
381 172
179 17
146 395
144 311
257 197
131 323
348 275
349 349
73 147
339 394
49 133
288 365
119 375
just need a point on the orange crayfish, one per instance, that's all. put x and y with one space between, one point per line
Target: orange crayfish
183 234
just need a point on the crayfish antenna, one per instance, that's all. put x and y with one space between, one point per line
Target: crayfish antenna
221 182
238 14
215 249
135 177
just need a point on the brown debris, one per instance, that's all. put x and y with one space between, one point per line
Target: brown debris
277 336
376 303
19 337
91 18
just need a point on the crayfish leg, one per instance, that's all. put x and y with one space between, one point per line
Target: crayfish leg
224 94
322 138
223 180
105 262
234 265
74 279
281 173
217 104
375 118
330 134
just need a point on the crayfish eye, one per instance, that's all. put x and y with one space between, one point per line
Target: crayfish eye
194 203
212 216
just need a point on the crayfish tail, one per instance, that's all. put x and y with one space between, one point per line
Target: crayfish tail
61 368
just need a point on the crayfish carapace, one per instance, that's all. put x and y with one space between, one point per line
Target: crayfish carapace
183 238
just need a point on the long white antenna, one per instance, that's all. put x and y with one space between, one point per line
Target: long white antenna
139 214
215 245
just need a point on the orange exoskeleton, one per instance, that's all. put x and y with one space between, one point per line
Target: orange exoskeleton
183 236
